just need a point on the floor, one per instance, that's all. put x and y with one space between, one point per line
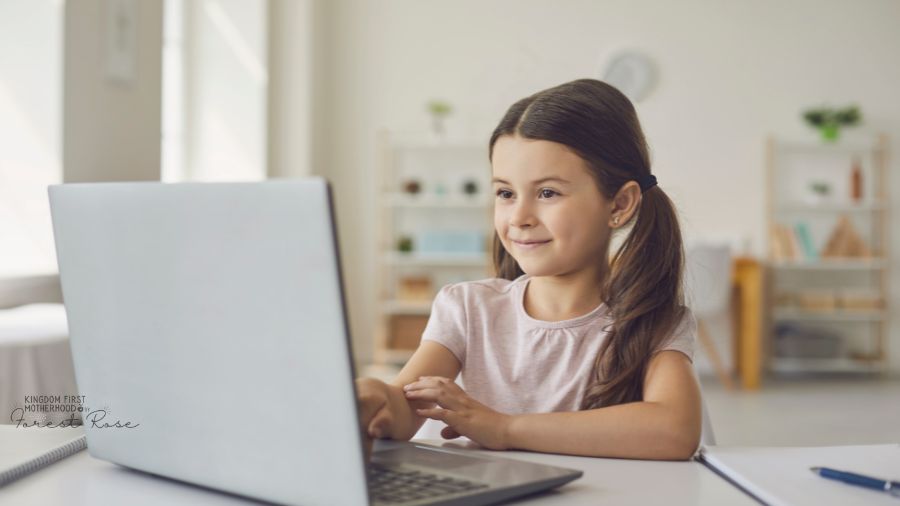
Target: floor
806 412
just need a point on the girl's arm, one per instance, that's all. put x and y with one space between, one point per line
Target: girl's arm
385 410
665 425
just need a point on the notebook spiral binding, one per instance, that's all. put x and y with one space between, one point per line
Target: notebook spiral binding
43 460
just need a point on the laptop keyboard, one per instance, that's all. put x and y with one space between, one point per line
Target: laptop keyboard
397 485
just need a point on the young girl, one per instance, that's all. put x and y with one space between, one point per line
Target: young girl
567 350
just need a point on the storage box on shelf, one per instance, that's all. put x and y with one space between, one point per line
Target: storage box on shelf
828 250
434 214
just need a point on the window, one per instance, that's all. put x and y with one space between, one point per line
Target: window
30 126
215 81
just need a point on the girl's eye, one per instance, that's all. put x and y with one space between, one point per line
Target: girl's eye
504 194
547 193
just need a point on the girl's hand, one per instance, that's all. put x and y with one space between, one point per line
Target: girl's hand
376 419
463 415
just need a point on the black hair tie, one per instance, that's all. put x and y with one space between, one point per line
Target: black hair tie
647 182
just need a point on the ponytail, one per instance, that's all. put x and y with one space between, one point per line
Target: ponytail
645 301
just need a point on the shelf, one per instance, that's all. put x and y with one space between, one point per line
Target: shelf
437 259
393 356
436 201
854 286
843 146
849 264
450 231
384 372
393 306
824 365
836 315
831 208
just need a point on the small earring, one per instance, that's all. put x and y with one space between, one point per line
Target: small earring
616 221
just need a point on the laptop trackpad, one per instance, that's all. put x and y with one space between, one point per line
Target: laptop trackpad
498 472
412 455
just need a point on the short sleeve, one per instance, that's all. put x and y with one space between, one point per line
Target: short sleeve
684 337
447 323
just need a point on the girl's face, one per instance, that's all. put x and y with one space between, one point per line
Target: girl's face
549 214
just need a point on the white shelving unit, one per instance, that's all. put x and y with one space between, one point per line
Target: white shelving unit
450 231
813 296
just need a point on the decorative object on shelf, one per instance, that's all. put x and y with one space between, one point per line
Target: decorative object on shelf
406 331
845 242
846 299
404 244
830 120
470 187
451 242
440 189
784 244
817 300
412 187
785 299
819 191
439 109
860 300
805 341
806 243
856 181
415 288
793 243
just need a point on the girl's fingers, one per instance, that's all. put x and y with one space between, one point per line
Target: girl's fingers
435 413
381 424
447 416
449 433
428 382
440 396
425 394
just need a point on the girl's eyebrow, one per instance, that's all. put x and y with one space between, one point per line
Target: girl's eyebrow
535 183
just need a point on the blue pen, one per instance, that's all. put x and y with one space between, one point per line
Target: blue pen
891 487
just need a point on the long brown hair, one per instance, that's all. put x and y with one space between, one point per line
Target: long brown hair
643 287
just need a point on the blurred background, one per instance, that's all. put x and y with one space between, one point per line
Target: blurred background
771 126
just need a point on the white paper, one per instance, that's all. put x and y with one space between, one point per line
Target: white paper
782 476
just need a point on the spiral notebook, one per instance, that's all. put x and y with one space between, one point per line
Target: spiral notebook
24 451
781 476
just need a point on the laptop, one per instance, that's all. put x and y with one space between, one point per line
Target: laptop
210 341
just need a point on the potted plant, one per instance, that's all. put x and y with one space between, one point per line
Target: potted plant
830 120
439 110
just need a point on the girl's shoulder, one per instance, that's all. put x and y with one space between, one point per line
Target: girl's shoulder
482 290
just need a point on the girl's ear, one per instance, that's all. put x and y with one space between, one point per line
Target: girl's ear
625 204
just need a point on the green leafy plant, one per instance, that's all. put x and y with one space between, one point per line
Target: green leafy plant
439 108
404 244
829 120
820 188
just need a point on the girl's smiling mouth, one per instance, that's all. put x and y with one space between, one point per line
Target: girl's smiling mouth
527 245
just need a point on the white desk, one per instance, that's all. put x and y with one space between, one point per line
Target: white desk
81 480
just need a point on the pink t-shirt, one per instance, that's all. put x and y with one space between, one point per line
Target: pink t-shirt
514 363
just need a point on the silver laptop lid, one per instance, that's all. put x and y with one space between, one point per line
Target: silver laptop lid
199 312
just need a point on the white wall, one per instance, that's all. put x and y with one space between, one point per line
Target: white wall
731 72
291 60
111 129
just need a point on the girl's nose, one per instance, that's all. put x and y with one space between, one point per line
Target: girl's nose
522 215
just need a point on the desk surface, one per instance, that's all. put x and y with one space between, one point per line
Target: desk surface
83 480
